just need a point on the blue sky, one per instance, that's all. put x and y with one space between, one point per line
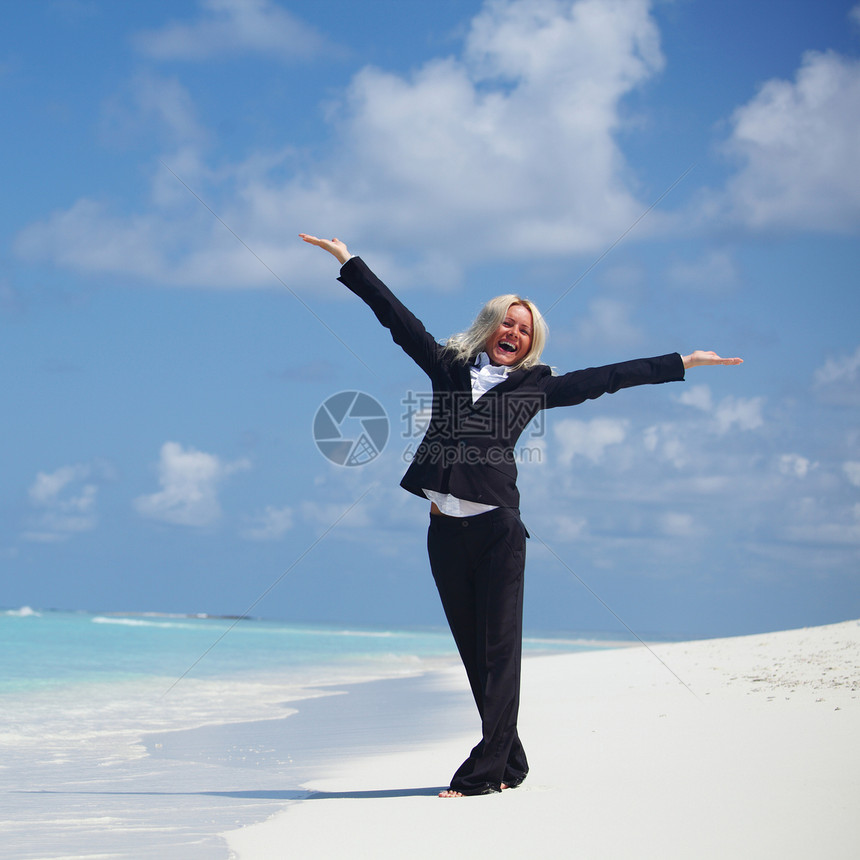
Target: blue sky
166 341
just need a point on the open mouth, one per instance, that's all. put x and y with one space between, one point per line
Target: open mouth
507 347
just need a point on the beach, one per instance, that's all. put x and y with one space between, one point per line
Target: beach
742 747
754 755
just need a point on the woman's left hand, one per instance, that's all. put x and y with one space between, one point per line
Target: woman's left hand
335 247
701 357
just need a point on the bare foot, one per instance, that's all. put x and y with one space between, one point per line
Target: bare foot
451 793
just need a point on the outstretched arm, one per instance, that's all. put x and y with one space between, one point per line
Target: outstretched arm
701 357
406 329
334 246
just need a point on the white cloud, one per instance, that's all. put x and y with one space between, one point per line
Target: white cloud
66 504
677 524
843 527
86 237
838 379
568 527
665 440
840 371
153 104
851 469
228 28
48 485
794 464
698 396
189 482
472 152
485 141
741 412
272 524
798 141
588 438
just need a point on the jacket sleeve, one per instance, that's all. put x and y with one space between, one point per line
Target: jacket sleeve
569 389
406 329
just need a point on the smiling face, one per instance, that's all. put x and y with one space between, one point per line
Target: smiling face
510 343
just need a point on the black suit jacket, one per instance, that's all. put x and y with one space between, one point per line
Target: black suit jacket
468 449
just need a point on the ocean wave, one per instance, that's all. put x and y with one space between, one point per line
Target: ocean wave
142 622
371 634
23 612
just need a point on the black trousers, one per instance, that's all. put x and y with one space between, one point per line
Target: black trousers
478 564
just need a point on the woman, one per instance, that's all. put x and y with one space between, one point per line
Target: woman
488 383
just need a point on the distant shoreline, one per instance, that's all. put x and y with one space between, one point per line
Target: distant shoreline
584 638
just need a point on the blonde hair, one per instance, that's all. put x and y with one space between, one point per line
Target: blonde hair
469 344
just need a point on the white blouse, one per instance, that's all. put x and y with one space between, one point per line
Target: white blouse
484 377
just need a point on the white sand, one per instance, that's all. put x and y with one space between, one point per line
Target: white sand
626 762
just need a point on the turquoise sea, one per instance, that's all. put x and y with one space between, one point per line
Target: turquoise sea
42 650
46 649
138 735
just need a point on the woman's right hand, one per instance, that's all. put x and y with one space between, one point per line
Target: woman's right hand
334 246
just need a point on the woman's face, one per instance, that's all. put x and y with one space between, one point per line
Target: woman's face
512 340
